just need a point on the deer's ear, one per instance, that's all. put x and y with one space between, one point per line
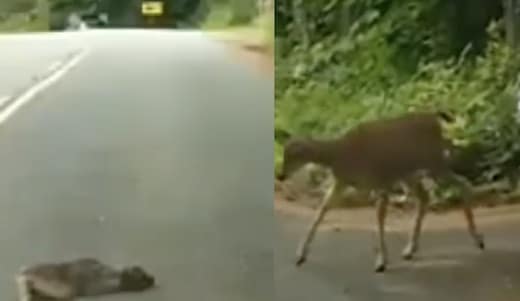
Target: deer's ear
282 135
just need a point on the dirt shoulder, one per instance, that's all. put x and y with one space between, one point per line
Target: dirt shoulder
249 48
398 219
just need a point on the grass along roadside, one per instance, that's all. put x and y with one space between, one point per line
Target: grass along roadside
250 52
22 23
248 37
252 43
258 35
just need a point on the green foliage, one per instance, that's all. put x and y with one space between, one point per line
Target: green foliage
23 23
265 21
16 6
243 11
23 15
226 13
56 4
219 16
259 30
368 59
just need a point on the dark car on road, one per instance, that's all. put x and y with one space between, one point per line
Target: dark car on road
95 19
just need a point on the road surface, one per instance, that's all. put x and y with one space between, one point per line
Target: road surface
448 266
155 149
22 64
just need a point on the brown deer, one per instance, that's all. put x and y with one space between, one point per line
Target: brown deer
84 277
375 156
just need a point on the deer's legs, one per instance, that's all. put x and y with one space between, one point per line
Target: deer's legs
477 237
413 241
381 253
333 194
24 290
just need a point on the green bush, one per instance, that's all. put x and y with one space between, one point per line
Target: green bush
219 16
229 13
23 23
17 6
265 21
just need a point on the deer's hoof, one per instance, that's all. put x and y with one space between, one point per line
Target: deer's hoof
407 256
408 253
380 263
380 268
301 260
480 242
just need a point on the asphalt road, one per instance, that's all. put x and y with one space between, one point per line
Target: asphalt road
155 149
25 57
448 266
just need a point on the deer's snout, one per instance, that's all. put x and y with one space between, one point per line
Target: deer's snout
281 177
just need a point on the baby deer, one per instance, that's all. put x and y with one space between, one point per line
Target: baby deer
83 277
373 157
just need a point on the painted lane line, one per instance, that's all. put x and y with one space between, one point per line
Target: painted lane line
54 66
26 96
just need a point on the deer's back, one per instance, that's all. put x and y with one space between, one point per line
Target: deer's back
383 151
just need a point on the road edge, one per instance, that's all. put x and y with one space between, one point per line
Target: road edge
254 53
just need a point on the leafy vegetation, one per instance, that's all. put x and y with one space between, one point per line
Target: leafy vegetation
265 21
16 6
23 15
230 13
22 23
211 14
341 62
245 20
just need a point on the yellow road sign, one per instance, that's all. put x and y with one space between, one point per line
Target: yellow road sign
152 8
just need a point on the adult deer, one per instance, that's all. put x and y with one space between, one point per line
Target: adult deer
374 156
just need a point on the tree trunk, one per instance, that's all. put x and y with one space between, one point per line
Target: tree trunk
42 8
300 20
512 21
345 19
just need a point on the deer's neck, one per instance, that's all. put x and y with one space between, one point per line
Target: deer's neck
324 152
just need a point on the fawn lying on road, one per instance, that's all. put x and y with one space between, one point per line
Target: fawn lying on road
79 278
373 157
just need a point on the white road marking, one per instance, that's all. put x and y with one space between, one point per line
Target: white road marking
40 86
54 66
